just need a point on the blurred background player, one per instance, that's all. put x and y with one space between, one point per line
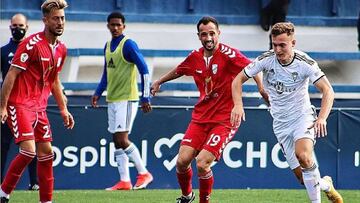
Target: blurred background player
18 28
287 73
33 74
213 68
274 12
122 59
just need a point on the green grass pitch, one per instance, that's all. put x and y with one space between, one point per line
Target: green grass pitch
169 196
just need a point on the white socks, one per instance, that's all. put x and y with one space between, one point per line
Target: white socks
3 194
134 155
312 178
123 165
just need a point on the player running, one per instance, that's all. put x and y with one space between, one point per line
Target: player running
287 73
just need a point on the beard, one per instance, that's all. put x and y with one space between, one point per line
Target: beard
56 32
209 45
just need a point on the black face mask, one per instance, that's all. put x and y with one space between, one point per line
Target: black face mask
18 33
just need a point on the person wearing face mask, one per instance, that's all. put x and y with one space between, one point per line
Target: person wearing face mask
18 27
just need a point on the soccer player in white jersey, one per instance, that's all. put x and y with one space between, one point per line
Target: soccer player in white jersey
287 73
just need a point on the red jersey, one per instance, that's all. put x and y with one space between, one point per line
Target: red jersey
40 63
213 77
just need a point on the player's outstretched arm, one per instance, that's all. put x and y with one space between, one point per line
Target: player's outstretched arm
171 75
237 113
56 91
324 86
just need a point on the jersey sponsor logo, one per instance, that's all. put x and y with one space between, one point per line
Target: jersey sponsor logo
32 42
228 51
111 63
24 57
280 87
214 68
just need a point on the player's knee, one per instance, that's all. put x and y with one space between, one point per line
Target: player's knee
305 159
202 166
182 164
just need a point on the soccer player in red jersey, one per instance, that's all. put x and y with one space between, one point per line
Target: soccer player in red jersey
213 67
33 74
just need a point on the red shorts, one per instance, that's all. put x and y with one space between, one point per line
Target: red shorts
212 137
29 125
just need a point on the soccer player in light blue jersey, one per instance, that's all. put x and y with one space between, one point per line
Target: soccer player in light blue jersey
122 62
287 73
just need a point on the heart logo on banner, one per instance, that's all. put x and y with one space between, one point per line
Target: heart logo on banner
169 165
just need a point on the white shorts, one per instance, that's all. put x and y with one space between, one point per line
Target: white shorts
288 133
121 115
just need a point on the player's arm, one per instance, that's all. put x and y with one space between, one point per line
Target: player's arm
171 75
7 86
57 93
101 86
324 86
237 113
133 54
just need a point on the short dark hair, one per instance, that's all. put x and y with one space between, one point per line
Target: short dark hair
207 19
116 15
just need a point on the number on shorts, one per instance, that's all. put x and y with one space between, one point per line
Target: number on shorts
214 140
47 134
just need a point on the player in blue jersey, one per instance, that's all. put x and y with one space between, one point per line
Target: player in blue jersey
122 60
18 28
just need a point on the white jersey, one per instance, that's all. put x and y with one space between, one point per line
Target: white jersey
287 85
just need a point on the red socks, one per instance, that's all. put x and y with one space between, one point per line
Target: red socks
184 180
206 181
46 178
16 169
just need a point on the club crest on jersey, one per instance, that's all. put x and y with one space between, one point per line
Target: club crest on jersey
24 57
295 75
214 68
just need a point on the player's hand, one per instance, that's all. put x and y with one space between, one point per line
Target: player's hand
3 115
265 96
155 87
68 119
237 115
146 107
94 100
320 128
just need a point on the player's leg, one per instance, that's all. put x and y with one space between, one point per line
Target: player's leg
17 167
144 177
217 138
205 175
20 122
311 175
184 172
189 148
120 157
45 156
